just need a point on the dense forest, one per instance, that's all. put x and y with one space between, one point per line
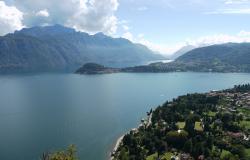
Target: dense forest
68 154
215 125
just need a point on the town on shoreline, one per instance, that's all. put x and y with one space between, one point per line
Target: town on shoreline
213 125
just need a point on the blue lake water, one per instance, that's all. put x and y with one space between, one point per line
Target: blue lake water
50 111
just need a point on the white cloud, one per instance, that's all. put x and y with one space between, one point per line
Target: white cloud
168 49
95 15
142 8
123 22
164 49
85 15
125 27
10 18
236 1
244 34
128 35
161 48
43 13
241 37
230 7
231 11
141 35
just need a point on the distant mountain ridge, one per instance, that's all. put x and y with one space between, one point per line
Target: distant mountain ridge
228 52
58 48
182 51
229 57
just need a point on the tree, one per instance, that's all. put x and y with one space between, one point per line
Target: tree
161 147
188 146
123 154
190 123
230 156
177 139
239 150
198 149
210 142
69 154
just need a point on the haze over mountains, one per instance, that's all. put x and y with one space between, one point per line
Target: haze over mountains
57 48
182 51
229 57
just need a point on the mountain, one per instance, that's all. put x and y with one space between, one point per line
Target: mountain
182 51
232 53
229 57
58 48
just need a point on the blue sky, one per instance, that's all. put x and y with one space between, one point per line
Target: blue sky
162 25
173 22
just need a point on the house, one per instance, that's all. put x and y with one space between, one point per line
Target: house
201 157
236 135
175 157
185 156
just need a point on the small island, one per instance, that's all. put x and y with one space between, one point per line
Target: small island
214 125
93 68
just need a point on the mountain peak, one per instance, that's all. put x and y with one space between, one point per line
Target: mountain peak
38 31
100 35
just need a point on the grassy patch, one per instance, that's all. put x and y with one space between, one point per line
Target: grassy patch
248 153
245 124
166 156
211 114
198 126
152 157
224 153
181 125
244 111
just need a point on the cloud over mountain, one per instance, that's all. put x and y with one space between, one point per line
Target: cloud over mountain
10 18
84 15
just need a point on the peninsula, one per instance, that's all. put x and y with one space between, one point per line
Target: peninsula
214 125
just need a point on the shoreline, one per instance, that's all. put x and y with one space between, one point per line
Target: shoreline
119 140
117 144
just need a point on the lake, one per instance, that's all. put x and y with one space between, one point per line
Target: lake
46 112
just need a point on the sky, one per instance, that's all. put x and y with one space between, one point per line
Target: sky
163 25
